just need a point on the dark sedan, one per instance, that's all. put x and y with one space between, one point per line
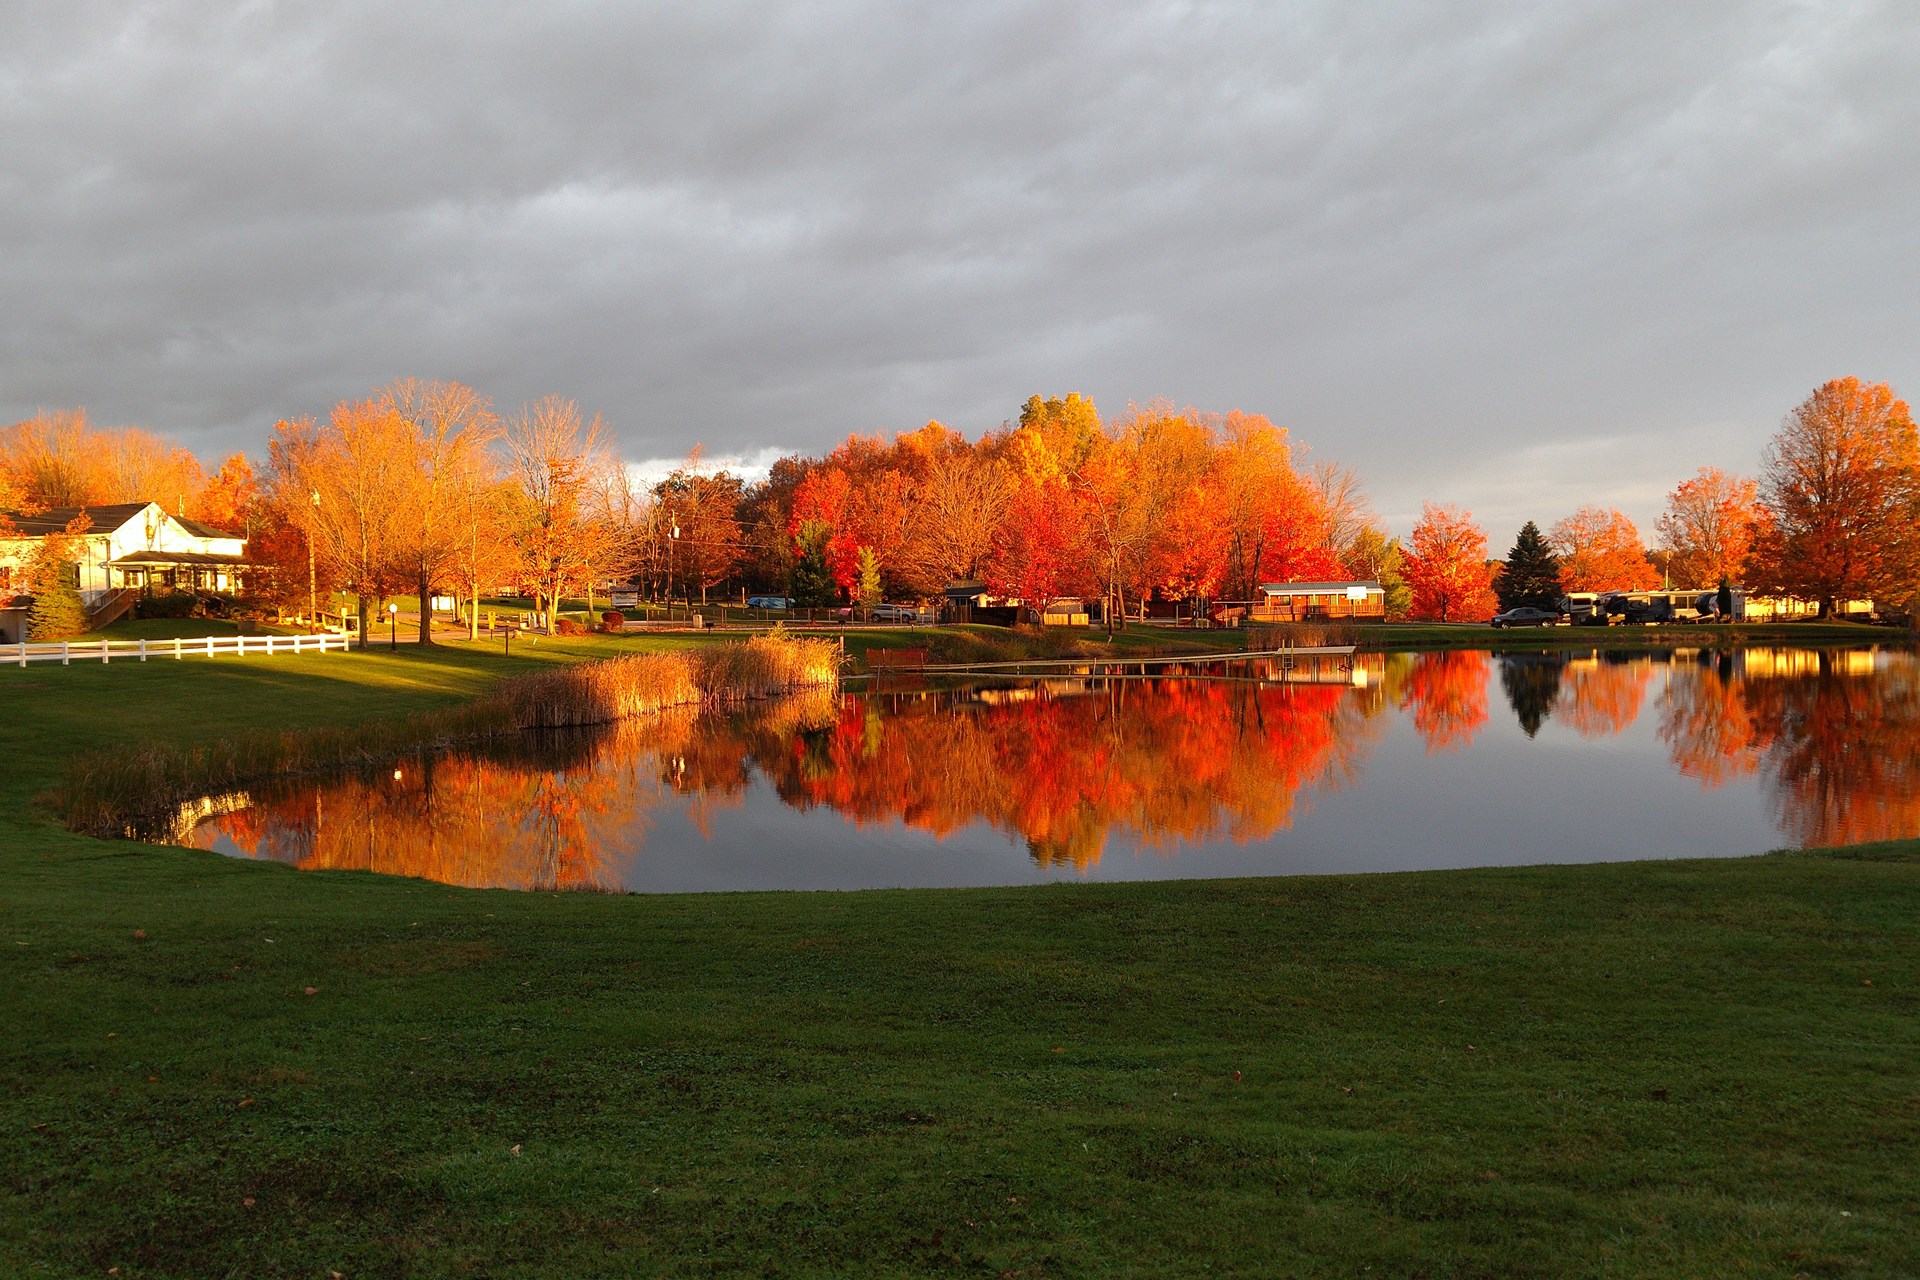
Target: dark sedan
1526 616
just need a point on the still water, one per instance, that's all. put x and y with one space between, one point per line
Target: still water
1395 761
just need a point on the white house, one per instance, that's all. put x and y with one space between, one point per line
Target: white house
129 544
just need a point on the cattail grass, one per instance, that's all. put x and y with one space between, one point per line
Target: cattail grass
115 792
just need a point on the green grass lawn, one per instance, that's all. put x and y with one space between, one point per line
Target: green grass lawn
218 1068
179 628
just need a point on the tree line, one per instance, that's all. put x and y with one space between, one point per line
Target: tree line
1833 516
423 489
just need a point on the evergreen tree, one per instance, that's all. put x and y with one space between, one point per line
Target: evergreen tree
1533 572
56 615
811 582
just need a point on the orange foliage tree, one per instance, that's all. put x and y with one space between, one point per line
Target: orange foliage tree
55 459
554 461
1709 527
231 500
1446 566
1839 493
1600 550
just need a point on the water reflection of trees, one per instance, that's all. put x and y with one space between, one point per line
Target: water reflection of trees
1835 739
1599 697
1061 768
544 816
1065 766
1831 735
1447 694
1532 686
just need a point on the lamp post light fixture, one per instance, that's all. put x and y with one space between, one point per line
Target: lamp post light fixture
393 627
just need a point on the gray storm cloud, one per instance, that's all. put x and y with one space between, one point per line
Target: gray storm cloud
1516 256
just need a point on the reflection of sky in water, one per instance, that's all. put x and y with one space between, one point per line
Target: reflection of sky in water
1427 764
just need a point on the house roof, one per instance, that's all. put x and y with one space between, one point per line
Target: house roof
106 516
1317 588
136 559
200 530
55 519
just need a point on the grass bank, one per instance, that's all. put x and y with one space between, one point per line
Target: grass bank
216 1067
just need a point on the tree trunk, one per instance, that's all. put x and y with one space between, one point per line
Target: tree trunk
426 607
361 606
473 609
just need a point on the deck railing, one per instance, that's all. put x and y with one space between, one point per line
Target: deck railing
66 652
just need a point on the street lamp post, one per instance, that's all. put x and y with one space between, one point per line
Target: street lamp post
313 612
670 541
393 627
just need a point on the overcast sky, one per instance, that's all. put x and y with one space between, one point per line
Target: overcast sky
1515 256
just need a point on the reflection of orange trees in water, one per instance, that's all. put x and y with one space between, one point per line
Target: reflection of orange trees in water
1710 728
1448 694
1845 767
1599 699
472 820
1836 744
1165 761
710 764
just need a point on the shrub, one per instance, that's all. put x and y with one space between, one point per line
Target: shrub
569 627
613 621
175 604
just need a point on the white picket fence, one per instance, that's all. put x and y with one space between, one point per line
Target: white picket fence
66 652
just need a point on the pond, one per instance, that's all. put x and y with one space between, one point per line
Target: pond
1389 762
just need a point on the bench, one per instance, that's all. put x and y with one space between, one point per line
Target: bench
897 659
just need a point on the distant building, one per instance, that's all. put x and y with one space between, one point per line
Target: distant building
1065 611
1300 601
133 545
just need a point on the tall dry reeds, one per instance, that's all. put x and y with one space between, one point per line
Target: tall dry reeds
1317 634
112 792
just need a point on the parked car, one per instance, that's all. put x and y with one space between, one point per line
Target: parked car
769 602
1526 616
896 613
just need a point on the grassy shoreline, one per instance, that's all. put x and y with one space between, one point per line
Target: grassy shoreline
1690 1067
